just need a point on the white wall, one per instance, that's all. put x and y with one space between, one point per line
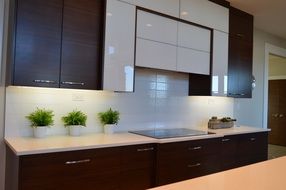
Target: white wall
250 111
2 96
160 100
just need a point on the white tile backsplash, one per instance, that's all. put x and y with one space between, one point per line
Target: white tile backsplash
160 100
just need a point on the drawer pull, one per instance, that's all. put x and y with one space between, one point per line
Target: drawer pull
240 35
225 140
73 83
77 162
145 149
252 139
234 94
196 148
194 165
44 81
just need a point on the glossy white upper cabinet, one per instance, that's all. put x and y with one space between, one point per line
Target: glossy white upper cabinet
194 37
193 61
156 55
119 46
205 13
220 64
169 7
157 28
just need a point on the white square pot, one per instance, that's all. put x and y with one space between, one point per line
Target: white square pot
109 128
40 132
75 130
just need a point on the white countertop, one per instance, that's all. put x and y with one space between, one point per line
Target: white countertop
261 176
30 145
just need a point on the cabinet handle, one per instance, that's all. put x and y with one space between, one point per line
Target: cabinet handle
240 35
281 115
44 81
73 83
236 94
225 140
145 149
196 148
77 161
275 115
252 139
194 165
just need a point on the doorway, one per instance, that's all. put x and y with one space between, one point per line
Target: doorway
277 105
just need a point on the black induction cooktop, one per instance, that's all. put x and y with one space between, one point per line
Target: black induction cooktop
170 133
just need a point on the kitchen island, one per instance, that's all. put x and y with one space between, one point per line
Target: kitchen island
266 175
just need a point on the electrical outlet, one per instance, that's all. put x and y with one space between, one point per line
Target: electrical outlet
78 97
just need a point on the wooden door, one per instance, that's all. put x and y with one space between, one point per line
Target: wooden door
82 44
38 43
277 112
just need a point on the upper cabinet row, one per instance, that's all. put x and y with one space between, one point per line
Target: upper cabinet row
57 43
202 12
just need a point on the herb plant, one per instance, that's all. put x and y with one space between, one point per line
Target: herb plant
41 118
75 118
109 117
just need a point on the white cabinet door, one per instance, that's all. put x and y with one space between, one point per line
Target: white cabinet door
205 13
193 61
156 55
157 28
194 37
220 64
169 7
119 46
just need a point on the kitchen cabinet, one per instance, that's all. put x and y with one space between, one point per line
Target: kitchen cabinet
192 158
127 167
220 63
169 7
57 44
156 55
205 13
240 54
119 50
244 149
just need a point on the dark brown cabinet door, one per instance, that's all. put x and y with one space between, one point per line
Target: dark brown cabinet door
277 112
82 44
38 43
240 54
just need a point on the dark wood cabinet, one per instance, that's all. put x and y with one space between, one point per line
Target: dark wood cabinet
240 54
58 43
185 160
243 149
118 168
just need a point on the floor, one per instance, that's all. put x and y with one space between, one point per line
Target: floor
275 151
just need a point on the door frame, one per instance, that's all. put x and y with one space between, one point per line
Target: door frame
269 49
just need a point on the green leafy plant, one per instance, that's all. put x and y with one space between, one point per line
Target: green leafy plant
41 118
75 118
109 117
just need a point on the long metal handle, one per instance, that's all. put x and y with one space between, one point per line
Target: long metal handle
234 94
195 148
77 161
194 165
240 35
73 83
225 140
252 139
44 81
145 149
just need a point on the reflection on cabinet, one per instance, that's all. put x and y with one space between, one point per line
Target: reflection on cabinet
156 55
192 158
57 43
119 47
169 7
240 54
205 13
128 167
220 64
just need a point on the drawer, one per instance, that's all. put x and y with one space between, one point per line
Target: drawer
70 170
253 144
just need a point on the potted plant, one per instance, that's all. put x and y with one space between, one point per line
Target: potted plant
40 120
75 120
109 119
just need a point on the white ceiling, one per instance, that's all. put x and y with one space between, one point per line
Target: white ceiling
269 15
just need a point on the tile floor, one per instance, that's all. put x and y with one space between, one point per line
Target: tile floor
275 151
